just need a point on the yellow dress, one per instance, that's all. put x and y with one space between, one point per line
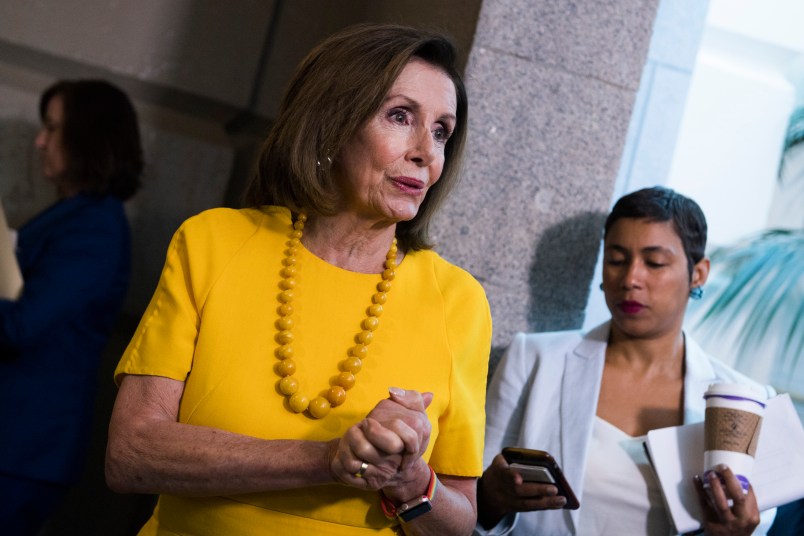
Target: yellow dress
211 324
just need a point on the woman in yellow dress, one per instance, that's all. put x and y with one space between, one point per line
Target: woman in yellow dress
308 365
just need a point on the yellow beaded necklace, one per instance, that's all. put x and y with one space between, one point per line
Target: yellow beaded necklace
319 406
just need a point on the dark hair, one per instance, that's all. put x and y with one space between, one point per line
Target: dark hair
663 204
335 90
100 137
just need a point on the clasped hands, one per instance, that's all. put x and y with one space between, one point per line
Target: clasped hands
384 451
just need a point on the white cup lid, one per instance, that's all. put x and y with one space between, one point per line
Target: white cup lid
736 390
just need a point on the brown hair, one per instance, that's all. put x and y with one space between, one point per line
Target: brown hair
335 90
100 136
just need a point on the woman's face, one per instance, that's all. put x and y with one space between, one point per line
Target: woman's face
385 170
645 277
49 141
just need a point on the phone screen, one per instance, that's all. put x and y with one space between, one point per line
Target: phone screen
533 473
540 466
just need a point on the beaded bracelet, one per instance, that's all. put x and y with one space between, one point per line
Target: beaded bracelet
414 508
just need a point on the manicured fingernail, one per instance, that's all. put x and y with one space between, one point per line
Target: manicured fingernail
396 391
561 501
722 467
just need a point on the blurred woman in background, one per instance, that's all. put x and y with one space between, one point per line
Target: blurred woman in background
75 262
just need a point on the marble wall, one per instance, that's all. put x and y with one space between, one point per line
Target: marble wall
552 87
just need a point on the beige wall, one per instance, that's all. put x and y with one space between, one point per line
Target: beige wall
205 47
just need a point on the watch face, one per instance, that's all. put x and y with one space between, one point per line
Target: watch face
414 509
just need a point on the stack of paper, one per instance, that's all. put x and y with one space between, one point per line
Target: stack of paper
778 476
10 276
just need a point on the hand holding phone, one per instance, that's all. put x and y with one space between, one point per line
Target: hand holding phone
539 466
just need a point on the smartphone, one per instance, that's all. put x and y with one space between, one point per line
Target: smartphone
539 466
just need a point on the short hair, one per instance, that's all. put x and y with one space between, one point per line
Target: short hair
335 90
100 137
662 204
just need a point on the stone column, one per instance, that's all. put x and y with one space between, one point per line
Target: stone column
552 84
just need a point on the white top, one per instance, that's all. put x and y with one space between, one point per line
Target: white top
620 492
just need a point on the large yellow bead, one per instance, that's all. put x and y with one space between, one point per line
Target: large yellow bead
288 385
379 297
365 337
384 286
284 352
301 217
298 402
288 283
296 234
336 395
284 337
286 296
346 380
319 407
371 323
285 309
288 261
352 364
375 310
390 264
289 271
285 323
388 275
286 367
359 350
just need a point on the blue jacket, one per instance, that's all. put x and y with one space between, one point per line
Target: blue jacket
75 262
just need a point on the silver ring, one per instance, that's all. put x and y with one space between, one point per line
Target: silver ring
362 470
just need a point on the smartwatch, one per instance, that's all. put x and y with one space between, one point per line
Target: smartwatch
410 510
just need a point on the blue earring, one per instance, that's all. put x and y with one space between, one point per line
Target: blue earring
696 293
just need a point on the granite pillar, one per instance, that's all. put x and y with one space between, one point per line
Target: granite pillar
551 85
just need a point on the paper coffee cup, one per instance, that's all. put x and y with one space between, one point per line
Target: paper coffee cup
732 423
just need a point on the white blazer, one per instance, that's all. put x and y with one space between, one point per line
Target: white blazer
544 395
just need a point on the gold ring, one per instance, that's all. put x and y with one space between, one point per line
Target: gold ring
362 470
